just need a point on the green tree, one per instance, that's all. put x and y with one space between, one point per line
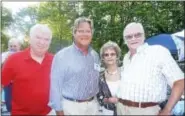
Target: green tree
5 23
110 18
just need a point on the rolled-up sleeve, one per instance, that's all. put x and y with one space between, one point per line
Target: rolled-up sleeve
170 68
57 75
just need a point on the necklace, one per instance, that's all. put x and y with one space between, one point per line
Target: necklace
111 73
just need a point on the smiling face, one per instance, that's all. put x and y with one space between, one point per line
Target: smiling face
110 57
83 35
40 41
134 36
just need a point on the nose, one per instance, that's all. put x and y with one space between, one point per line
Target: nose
41 41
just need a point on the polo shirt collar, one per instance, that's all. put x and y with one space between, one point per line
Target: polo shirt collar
28 55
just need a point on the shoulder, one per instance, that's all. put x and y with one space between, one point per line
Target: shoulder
94 53
159 49
63 52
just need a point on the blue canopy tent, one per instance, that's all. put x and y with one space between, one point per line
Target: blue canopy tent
164 40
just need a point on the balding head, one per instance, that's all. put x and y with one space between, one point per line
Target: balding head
133 28
134 35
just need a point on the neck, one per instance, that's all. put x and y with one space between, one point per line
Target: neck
132 52
84 49
112 68
36 56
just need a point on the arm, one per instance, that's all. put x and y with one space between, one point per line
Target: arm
57 74
175 79
176 93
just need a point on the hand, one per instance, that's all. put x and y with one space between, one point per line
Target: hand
164 113
59 113
111 100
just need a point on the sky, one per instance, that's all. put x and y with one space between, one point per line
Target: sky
15 7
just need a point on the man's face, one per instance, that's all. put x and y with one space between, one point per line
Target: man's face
83 35
40 42
14 46
134 37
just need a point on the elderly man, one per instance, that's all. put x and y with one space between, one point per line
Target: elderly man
75 74
30 74
14 45
147 71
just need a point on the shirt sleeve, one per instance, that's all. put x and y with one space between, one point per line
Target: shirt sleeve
57 75
170 68
8 72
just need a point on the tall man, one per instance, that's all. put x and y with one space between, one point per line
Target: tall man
147 71
14 45
75 73
29 70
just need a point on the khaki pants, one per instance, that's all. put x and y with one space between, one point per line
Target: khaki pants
83 108
126 110
51 113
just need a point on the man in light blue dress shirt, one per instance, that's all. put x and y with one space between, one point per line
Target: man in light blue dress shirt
75 73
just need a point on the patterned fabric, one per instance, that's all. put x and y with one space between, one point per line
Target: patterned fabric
104 92
73 75
146 75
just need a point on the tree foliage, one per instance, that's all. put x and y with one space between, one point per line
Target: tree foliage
6 21
109 17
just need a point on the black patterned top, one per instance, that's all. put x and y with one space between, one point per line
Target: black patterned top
104 92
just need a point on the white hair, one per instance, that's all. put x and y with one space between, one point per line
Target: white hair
14 40
41 28
137 25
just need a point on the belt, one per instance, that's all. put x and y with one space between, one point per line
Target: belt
71 99
137 104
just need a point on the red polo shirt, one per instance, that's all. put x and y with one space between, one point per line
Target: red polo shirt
31 83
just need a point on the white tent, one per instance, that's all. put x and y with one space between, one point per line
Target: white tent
179 41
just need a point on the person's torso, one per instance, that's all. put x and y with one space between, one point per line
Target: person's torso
81 74
142 79
30 91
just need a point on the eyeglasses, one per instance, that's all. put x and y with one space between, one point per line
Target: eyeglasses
136 35
111 54
84 31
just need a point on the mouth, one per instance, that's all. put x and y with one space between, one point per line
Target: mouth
134 43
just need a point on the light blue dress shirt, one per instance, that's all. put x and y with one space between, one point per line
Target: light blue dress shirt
73 75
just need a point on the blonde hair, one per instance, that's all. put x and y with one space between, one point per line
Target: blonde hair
112 45
80 20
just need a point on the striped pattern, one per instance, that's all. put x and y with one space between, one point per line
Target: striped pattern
146 75
73 75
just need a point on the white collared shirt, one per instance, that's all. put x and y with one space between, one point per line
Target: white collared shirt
146 74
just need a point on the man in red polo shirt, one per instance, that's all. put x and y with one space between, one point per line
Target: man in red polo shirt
29 70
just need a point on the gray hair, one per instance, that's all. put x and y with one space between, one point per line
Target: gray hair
41 28
14 40
80 20
112 45
133 24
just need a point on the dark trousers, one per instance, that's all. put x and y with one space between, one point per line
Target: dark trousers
8 97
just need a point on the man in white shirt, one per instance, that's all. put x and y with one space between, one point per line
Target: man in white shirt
14 45
147 71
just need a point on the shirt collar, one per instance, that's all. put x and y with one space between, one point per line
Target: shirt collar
79 50
28 55
140 49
